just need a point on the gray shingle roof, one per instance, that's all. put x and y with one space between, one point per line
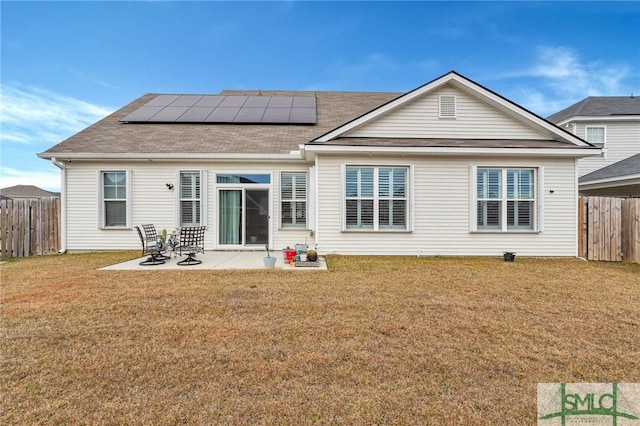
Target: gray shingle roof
26 191
628 166
599 106
109 136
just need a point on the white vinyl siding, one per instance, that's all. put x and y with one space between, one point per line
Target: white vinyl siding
293 200
421 118
621 140
441 204
376 198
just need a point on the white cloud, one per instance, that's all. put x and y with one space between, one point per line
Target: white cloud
32 120
37 116
558 77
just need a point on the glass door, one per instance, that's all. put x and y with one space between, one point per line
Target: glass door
243 217
257 216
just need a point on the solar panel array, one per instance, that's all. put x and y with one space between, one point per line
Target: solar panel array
226 109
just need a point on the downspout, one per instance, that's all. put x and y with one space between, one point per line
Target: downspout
63 203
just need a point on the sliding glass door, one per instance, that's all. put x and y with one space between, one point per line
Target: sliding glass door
243 217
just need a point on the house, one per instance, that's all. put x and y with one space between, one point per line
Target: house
26 192
621 179
612 123
449 168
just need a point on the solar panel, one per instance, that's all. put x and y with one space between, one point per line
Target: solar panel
280 102
186 100
195 114
143 113
226 109
162 100
302 115
222 115
249 115
169 114
233 101
257 101
209 101
276 115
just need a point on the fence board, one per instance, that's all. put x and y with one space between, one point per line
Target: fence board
609 229
29 227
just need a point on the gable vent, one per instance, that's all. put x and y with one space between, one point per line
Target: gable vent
447 106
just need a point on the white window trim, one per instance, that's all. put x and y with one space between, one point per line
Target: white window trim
203 196
376 199
288 226
538 215
604 137
100 191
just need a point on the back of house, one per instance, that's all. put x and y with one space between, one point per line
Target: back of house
449 168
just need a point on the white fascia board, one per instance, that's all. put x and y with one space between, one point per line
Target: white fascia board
596 118
470 86
292 156
612 181
383 150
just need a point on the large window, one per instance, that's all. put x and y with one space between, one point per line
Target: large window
191 198
114 199
505 199
293 199
376 198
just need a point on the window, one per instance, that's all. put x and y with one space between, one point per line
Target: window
595 135
376 198
505 199
114 199
293 199
190 199
447 106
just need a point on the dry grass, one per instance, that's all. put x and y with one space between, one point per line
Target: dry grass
372 341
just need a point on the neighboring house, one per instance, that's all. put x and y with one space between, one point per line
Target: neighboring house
621 179
450 168
610 122
21 192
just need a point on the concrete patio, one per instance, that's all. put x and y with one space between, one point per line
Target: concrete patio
218 260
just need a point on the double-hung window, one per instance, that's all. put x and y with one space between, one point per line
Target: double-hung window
191 198
293 199
114 199
505 199
376 198
595 135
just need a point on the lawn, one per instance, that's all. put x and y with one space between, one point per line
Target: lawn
374 340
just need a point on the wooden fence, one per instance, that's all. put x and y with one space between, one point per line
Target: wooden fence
30 226
609 229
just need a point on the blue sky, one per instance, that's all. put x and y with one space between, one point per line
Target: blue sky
65 65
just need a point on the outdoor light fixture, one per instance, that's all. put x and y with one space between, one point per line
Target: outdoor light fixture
170 186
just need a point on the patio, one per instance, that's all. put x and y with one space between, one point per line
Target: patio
218 260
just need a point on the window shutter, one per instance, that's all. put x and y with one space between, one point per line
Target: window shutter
447 106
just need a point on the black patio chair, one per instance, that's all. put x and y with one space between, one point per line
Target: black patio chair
191 243
152 238
151 247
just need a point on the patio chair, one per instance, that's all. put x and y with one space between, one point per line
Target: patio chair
151 247
152 238
191 243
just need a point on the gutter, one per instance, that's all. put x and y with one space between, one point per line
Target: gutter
63 203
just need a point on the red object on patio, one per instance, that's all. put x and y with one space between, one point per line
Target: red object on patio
290 255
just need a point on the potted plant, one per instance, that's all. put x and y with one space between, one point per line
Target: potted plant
312 255
269 261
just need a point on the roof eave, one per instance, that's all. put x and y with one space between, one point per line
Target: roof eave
456 151
89 156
